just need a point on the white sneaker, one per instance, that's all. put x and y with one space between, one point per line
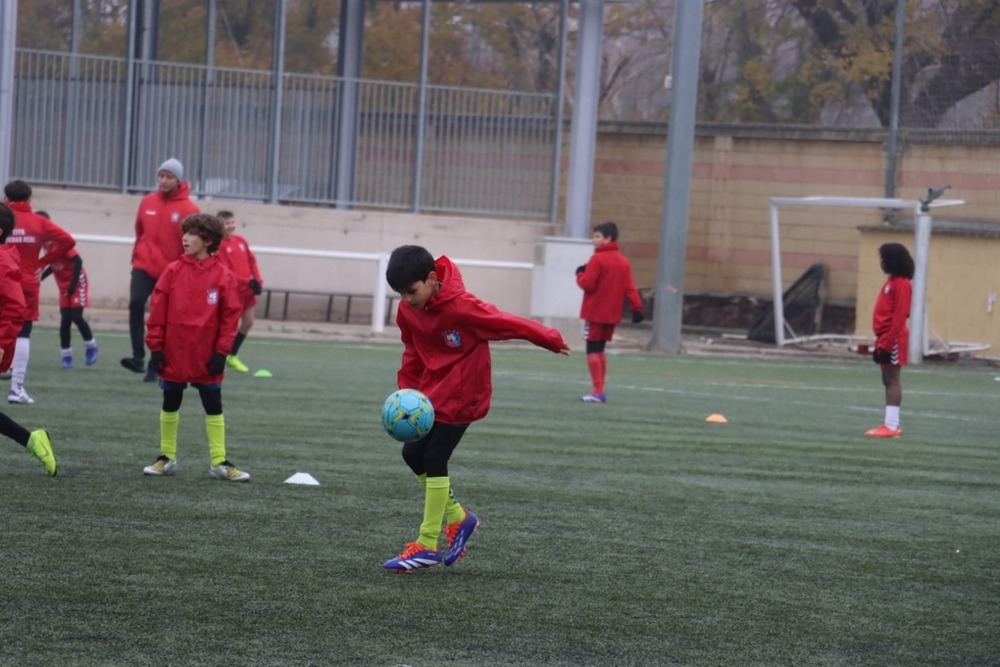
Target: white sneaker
228 472
162 467
19 397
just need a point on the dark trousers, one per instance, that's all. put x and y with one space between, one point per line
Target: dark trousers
140 290
67 318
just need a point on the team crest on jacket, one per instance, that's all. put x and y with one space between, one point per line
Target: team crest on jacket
452 338
175 217
213 296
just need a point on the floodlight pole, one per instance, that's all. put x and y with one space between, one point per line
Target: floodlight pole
668 308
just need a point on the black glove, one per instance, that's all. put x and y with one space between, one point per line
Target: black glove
156 361
637 317
580 269
217 364
881 356
255 287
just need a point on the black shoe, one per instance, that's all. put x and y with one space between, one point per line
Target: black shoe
133 364
151 374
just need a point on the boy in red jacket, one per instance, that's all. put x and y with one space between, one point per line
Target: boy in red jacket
193 317
74 295
36 443
235 253
31 233
446 354
157 243
606 281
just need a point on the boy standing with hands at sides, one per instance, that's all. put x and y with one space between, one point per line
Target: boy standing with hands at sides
193 317
36 443
606 281
31 233
446 333
892 337
157 243
74 296
235 253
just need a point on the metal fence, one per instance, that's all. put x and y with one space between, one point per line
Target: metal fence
99 122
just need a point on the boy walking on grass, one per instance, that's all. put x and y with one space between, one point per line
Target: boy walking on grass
36 443
446 333
235 253
74 295
606 281
193 317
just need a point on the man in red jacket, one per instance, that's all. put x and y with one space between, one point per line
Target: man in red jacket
606 281
31 233
446 333
36 443
157 243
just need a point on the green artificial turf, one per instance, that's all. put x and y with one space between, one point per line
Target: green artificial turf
631 533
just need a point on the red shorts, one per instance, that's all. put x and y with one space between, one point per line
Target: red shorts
593 331
30 301
80 297
900 349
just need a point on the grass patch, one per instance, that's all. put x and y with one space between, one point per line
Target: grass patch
631 533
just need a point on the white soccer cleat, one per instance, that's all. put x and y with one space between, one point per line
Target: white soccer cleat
162 467
19 397
226 471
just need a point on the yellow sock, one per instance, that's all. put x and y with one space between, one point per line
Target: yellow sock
435 499
215 428
169 422
453 510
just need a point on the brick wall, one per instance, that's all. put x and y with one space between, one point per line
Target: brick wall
737 169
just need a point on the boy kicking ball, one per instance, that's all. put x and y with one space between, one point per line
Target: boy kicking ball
446 354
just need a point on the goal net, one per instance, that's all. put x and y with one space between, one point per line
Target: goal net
784 325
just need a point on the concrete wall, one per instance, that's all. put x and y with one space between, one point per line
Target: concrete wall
108 265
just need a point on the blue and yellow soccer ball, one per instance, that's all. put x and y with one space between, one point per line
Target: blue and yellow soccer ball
407 415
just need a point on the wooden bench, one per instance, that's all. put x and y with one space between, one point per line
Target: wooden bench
331 297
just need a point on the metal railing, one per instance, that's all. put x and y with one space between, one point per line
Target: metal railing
96 122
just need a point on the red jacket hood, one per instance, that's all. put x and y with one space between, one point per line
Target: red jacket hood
451 283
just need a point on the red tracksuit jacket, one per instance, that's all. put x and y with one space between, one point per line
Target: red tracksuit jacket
892 308
31 232
446 352
235 253
11 302
194 313
158 229
606 283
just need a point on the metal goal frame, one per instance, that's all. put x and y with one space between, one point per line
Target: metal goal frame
919 338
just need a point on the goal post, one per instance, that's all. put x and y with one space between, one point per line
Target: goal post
784 335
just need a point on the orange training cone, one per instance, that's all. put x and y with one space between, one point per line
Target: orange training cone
716 419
